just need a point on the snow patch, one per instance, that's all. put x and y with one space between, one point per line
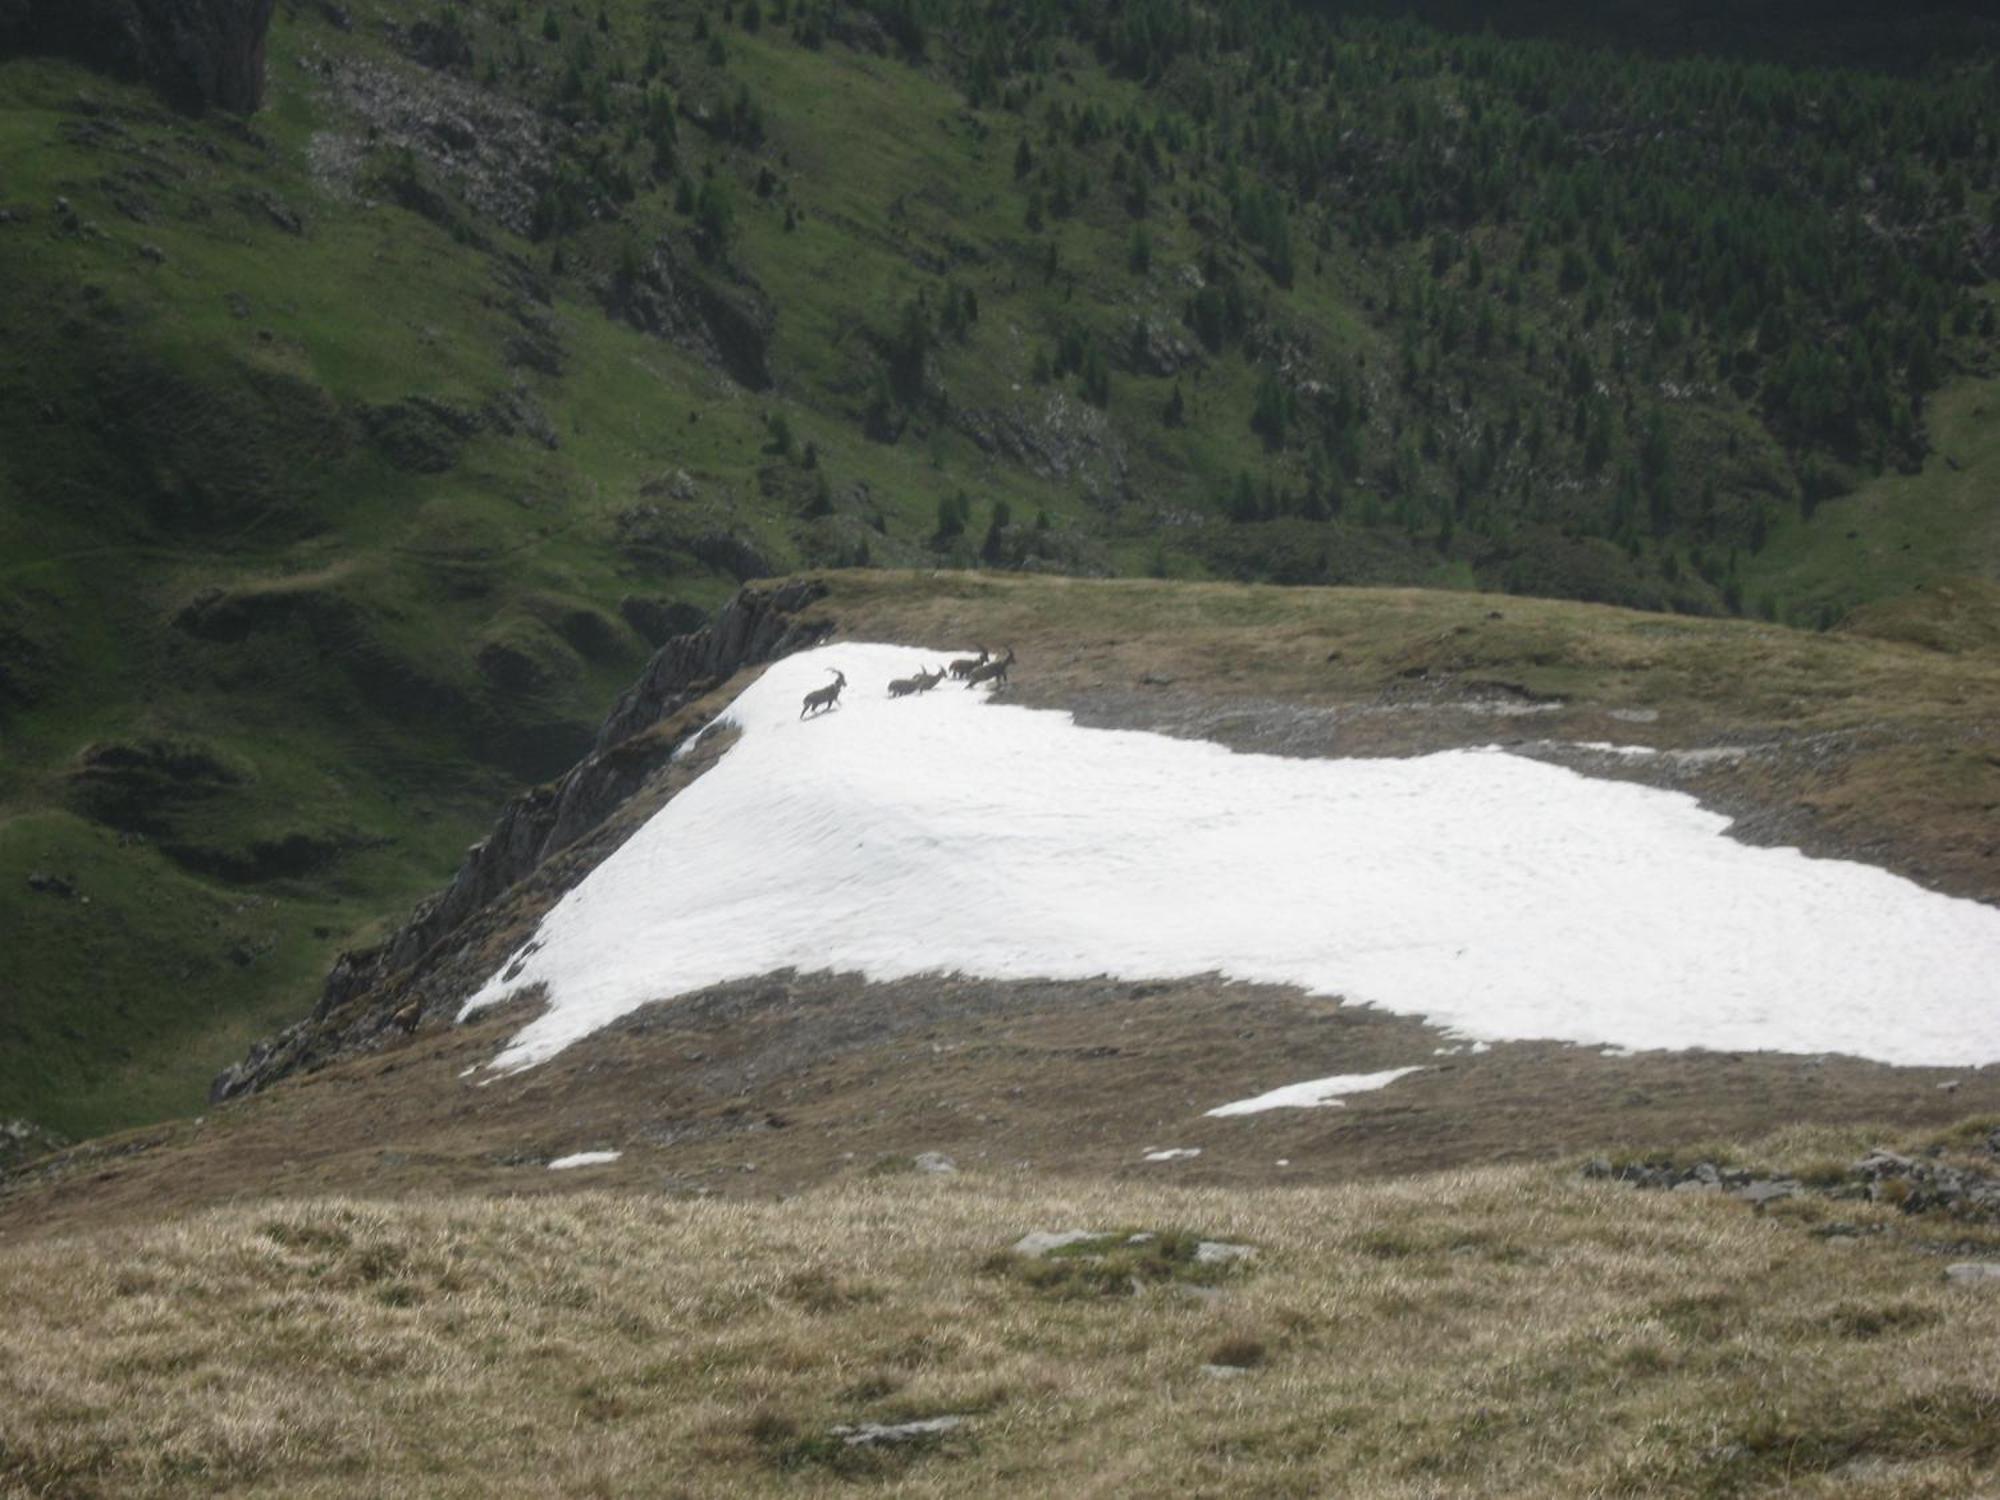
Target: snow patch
1501 896
1172 1153
584 1159
1318 1093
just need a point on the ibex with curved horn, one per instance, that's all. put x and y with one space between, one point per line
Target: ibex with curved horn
826 697
928 680
992 671
966 665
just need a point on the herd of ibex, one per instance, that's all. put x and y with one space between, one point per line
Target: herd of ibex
971 670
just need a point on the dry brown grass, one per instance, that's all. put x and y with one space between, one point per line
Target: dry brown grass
1499 1331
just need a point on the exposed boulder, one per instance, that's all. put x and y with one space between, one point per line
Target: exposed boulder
200 54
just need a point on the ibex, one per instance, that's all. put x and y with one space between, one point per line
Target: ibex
928 680
992 671
902 687
826 697
965 666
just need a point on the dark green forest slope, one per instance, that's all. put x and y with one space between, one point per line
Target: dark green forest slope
354 452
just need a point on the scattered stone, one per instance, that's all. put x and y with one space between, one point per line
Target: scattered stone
1224 1372
51 885
1974 1273
151 252
1949 1086
893 1434
1144 1237
1912 1184
936 1163
1044 1241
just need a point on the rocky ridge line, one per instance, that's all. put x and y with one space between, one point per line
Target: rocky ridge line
374 993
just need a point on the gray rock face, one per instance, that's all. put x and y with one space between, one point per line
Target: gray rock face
378 992
728 325
201 54
1983 1273
936 1163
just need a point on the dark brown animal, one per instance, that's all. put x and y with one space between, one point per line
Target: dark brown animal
826 697
965 665
928 680
992 671
902 687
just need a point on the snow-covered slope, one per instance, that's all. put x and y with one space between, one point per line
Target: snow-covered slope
1499 896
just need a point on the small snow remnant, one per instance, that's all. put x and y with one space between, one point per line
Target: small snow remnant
584 1159
1501 896
1316 1094
1173 1153
894 1434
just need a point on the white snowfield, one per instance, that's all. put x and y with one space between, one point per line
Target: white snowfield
1317 1094
1499 896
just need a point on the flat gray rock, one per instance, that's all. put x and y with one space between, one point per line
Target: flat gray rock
1042 1241
1974 1273
1220 1252
935 1162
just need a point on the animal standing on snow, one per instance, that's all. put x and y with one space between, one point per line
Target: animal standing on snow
965 666
928 680
902 687
826 697
992 671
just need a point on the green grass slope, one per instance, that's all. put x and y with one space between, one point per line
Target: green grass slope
353 456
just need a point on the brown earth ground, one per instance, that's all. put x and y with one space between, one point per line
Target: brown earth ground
769 1086
1844 744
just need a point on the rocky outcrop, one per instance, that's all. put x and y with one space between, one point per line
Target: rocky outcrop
728 326
201 54
22 1141
380 992
1914 1184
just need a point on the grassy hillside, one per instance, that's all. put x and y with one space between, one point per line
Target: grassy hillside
353 456
1499 1331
